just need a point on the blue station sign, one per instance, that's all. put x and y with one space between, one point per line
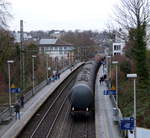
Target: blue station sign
15 90
127 123
109 92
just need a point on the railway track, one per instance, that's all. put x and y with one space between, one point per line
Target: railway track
48 111
53 119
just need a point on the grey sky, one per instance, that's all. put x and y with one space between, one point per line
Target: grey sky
61 14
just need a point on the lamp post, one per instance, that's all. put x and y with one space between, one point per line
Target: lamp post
9 62
47 68
33 76
116 63
109 65
134 76
109 70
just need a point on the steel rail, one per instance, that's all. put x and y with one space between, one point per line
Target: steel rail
66 115
49 109
60 109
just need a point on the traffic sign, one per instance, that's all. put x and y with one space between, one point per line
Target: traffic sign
13 86
15 90
113 88
127 123
109 92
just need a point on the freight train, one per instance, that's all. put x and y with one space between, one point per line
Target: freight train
81 95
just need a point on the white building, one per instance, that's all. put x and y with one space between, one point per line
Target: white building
118 45
118 48
56 34
26 36
56 48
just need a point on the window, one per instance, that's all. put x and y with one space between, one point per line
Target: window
117 47
60 48
116 53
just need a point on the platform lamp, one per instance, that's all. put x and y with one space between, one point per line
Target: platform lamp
109 70
116 64
134 76
9 62
33 76
47 67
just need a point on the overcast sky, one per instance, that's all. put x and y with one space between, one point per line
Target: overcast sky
61 14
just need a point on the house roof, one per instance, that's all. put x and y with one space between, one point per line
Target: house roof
57 42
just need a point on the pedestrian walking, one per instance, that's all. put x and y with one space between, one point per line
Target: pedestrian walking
17 110
22 101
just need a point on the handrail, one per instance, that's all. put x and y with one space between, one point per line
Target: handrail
27 96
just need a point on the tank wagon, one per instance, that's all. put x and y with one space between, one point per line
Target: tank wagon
82 93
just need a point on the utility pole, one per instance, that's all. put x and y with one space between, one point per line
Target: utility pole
22 71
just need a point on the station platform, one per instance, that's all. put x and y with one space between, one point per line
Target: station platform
12 129
105 127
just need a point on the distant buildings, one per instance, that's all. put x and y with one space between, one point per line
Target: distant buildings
26 36
37 35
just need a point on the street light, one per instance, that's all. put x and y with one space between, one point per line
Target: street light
115 63
109 67
109 70
33 76
9 62
134 76
47 67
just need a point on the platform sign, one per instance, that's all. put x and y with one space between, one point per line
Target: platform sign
15 90
113 88
109 92
13 86
127 123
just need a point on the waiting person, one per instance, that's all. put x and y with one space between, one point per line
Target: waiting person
22 101
105 76
101 79
17 110
58 75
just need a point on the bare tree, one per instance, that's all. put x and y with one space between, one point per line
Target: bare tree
132 13
4 13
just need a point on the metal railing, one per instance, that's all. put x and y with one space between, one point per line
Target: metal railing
6 113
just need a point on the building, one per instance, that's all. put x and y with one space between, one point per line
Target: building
56 34
118 48
118 45
56 48
26 36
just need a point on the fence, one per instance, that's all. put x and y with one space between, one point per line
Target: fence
5 114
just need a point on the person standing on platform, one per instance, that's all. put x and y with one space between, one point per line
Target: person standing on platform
22 101
17 110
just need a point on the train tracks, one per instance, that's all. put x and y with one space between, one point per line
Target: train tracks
53 119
